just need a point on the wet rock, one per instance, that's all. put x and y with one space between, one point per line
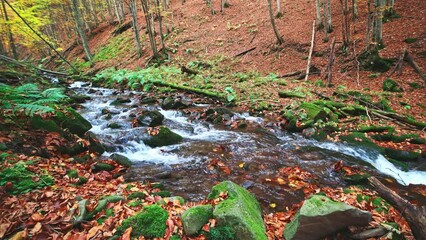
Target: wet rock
148 100
401 155
248 184
121 160
240 211
218 115
114 125
170 103
309 132
49 125
95 145
164 137
105 111
320 217
120 100
151 119
73 150
194 218
72 120
163 175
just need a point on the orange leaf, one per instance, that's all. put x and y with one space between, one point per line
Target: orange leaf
126 234
37 217
36 229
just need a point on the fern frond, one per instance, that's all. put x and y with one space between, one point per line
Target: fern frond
31 109
54 94
29 87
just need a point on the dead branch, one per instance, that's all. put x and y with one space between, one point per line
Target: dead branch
291 74
187 70
310 51
399 64
415 215
244 52
413 64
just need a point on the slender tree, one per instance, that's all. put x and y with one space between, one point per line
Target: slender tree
279 13
9 31
272 18
149 28
133 10
80 30
318 13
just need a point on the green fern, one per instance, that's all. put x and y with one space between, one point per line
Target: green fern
30 99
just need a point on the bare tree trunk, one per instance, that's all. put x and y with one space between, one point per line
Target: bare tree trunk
149 28
330 22
92 10
367 33
79 24
279 13
378 21
345 23
121 7
325 10
9 32
318 12
271 16
160 23
355 9
116 11
133 10
111 15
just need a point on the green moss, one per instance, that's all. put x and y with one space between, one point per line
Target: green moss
165 137
81 180
72 173
150 222
72 120
134 195
22 179
314 111
100 166
359 139
3 147
175 237
162 194
221 233
291 94
391 85
401 155
114 125
373 62
240 211
136 203
415 85
410 40
373 128
194 218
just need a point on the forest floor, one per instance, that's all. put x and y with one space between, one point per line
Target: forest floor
212 39
200 37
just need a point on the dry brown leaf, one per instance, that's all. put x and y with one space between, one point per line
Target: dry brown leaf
36 229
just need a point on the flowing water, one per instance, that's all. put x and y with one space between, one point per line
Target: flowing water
251 156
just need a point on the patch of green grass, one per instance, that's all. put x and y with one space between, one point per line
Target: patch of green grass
23 180
114 48
410 40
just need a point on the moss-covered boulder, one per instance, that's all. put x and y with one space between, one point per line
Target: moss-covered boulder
151 119
72 120
95 145
165 137
121 160
291 94
391 85
150 222
194 218
100 166
240 211
114 125
314 112
49 125
319 217
401 155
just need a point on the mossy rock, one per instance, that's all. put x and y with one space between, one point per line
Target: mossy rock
291 94
114 125
314 111
134 195
354 110
150 222
121 160
391 85
165 137
319 217
359 139
194 218
79 98
373 62
100 166
401 155
95 145
3 147
151 119
73 150
221 233
218 115
72 120
49 125
162 194
120 100
240 211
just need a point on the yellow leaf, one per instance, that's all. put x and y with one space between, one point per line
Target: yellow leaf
242 165
273 205
280 181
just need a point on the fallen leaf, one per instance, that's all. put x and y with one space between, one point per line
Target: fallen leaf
3 229
37 217
126 234
36 229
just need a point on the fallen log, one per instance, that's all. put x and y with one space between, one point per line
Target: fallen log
291 74
244 52
415 215
13 61
190 89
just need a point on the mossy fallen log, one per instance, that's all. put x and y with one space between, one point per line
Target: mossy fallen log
190 89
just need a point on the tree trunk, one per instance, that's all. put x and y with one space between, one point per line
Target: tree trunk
160 23
354 10
378 22
9 32
325 10
271 16
116 11
368 27
149 27
110 10
135 27
79 24
415 215
345 23
318 12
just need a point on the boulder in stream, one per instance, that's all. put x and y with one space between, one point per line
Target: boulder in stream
240 211
320 216
165 137
194 218
95 145
170 103
218 115
151 119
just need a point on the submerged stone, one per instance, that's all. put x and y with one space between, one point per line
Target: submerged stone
240 211
319 217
